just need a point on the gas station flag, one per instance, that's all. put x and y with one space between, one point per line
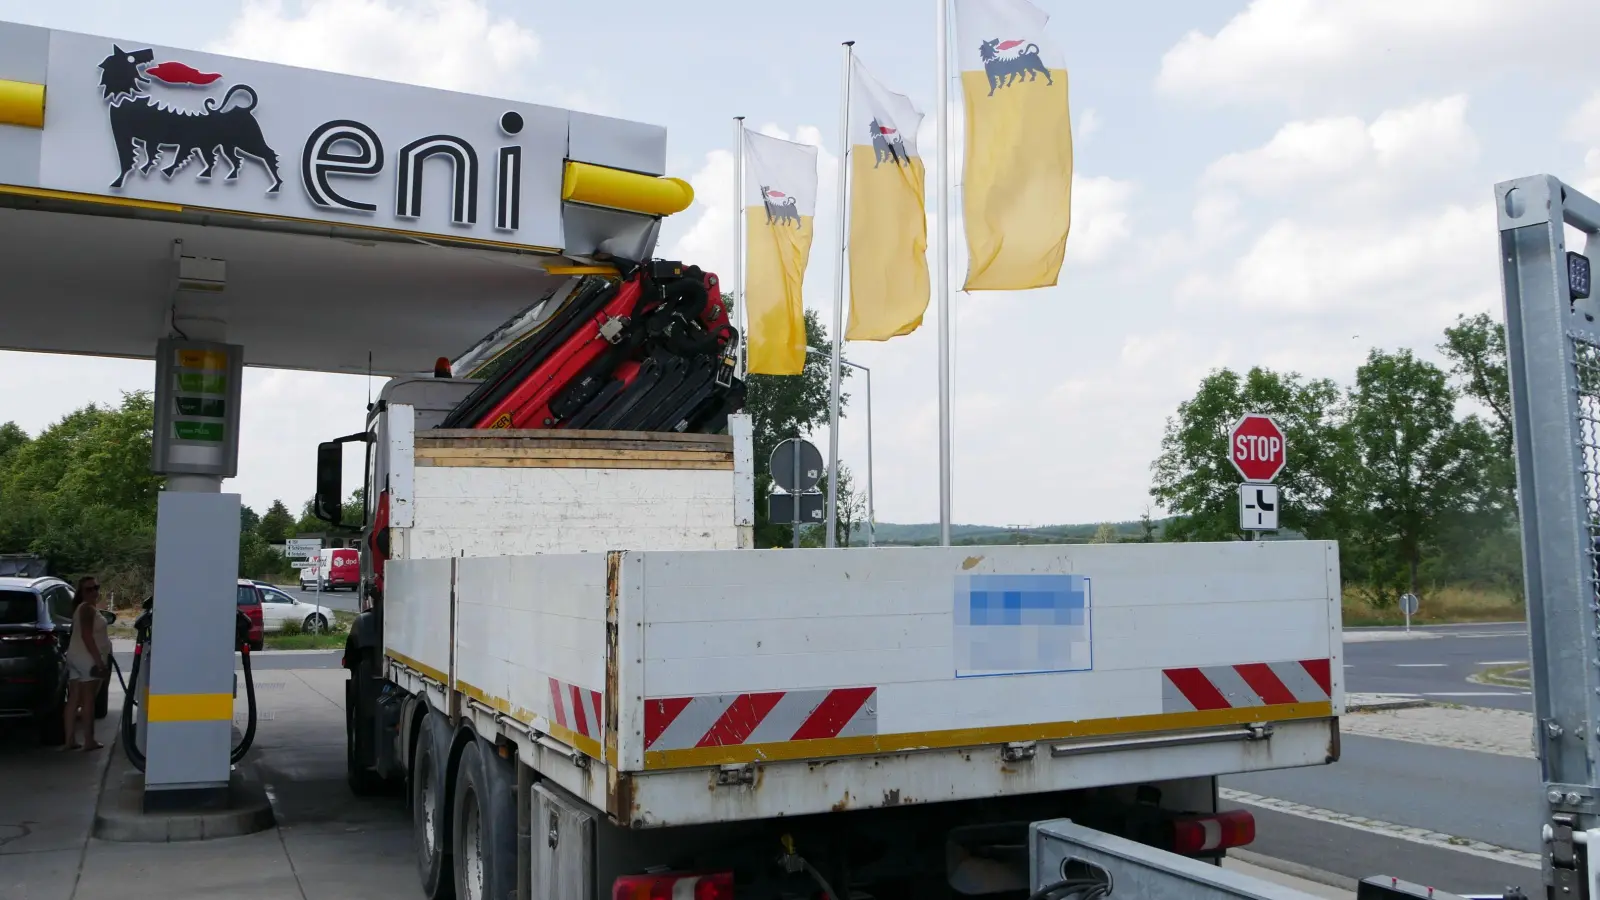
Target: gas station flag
1017 181
888 218
780 199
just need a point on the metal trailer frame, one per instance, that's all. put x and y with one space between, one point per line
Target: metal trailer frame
1553 360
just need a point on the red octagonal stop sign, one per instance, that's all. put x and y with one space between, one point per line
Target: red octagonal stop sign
1257 447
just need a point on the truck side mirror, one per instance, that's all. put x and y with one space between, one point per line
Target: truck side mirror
328 503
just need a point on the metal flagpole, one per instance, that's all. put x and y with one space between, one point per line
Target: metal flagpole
838 309
942 261
742 319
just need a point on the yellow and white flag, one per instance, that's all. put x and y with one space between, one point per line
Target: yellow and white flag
888 221
780 199
1017 181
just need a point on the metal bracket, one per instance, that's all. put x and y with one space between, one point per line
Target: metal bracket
736 775
611 330
1020 751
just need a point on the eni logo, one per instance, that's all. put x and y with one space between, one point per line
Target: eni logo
345 148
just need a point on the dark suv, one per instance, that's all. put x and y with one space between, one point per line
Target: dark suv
35 622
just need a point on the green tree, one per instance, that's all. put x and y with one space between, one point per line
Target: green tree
248 519
1194 479
1420 473
1476 348
276 523
1105 534
781 407
82 494
1147 528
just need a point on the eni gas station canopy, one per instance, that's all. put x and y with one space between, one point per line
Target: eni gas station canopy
320 217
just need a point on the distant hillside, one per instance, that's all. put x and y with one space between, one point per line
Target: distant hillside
912 535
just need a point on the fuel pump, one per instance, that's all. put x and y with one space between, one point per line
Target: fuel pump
142 627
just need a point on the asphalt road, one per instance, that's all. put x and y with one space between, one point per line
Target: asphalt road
345 600
1438 668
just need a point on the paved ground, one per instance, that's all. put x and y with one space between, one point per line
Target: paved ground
1437 663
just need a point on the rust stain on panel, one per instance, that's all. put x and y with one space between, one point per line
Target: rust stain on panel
971 561
613 659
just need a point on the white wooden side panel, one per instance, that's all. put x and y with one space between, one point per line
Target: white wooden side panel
526 620
416 603
473 511
402 463
723 624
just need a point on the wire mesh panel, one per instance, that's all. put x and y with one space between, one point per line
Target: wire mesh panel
1586 372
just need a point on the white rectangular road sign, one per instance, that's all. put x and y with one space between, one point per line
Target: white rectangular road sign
304 564
1258 507
301 548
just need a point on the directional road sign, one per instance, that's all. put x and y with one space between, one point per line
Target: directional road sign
1409 604
782 466
1258 507
303 564
301 548
1257 447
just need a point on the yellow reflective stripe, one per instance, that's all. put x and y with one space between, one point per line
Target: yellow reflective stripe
423 668
46 194
21 103
869 744
190 707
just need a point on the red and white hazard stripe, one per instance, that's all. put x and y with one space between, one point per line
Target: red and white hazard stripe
577 709
1246 685
679 723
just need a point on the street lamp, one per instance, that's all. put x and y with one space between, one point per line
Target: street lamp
872 525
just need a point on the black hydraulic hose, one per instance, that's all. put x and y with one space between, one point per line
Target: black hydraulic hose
250 695
130 742
130 737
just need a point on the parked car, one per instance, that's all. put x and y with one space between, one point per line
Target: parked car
35 625
250 604
278 608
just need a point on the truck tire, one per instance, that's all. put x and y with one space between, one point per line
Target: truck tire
429 818
484 828
364 782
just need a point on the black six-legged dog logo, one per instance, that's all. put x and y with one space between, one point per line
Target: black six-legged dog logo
143 125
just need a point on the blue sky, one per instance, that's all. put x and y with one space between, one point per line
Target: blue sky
1281 182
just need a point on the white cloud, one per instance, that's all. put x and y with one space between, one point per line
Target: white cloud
1317 50
1584 126
1088 123
709 241
1432 136
456 45
1099 218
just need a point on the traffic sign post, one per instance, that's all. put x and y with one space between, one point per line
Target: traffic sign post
302 548
1409 605
1258 507
1258 451
796 467
1257 448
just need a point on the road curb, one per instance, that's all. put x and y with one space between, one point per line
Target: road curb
1382 703
119 814
1294 870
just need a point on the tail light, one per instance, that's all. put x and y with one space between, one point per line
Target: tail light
677 886
1193 835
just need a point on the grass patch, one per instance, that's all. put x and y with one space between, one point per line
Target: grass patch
305 641
1440 606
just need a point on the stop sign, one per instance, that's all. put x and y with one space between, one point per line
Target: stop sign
1257 447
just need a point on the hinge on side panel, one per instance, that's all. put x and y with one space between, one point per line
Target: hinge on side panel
1020 751
736 774
1259 731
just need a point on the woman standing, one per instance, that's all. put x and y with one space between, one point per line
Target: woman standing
87 655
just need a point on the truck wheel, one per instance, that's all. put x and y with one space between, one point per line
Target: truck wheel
363 781
484 831
428 820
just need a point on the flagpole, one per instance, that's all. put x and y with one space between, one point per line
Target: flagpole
942 261
739 320
838 308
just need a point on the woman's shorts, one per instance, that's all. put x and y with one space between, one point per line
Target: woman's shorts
78 670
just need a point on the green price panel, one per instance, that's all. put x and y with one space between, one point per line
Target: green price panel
201 383
198 431
210 407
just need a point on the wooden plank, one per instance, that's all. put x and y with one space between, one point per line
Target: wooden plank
573 434
600 454
505 463
517 443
